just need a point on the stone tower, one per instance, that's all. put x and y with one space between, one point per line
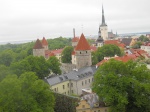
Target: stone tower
103 27
99 42
82 54
45 43
38 49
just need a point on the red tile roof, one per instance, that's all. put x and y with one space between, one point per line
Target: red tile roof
38 45
82 44
57 51
123 58
115 42
93 48
44 42
75 39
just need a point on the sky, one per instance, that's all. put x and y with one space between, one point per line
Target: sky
32 19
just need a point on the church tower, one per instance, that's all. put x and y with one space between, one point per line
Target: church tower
100 41
81 57
103 27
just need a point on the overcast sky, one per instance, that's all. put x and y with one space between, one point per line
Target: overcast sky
32 19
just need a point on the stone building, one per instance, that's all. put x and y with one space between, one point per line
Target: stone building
38 49
81 56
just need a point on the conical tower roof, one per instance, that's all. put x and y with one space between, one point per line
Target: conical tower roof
38 44
82 44
44 42
103 18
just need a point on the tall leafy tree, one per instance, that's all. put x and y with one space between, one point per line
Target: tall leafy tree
143 38
39 65
7 57
25 94
108 50
66 54
54 65
125 87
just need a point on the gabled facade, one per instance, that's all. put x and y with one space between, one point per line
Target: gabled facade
90 103
81 55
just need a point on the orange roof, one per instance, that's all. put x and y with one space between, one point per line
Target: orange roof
93 48
57 51
123 58
82 44
75 39
44 42
115 42
38 45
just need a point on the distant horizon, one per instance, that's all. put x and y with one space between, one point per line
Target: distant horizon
30 40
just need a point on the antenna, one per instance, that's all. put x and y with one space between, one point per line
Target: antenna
82 28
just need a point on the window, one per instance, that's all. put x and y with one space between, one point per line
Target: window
65 92
85 81
82 83
71 84
72 91
68 85
89 80
68 92
83 106
80 52
55 89
92 79
63 86
86 51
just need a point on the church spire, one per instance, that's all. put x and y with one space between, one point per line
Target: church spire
103 18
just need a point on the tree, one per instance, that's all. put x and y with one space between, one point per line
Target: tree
66 54
6 57
39 65
108 50
137 45
25 94
4 71
125 87
54 65
143 38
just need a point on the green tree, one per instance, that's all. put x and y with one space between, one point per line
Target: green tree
39 65
54 65
125 87
137 45
25 94
143 38
4 71
7 57
66 54
108 50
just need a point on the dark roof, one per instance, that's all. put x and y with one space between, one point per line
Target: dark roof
126 41
100 39
73 75
38 45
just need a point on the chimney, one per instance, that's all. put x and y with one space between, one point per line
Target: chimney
74 32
